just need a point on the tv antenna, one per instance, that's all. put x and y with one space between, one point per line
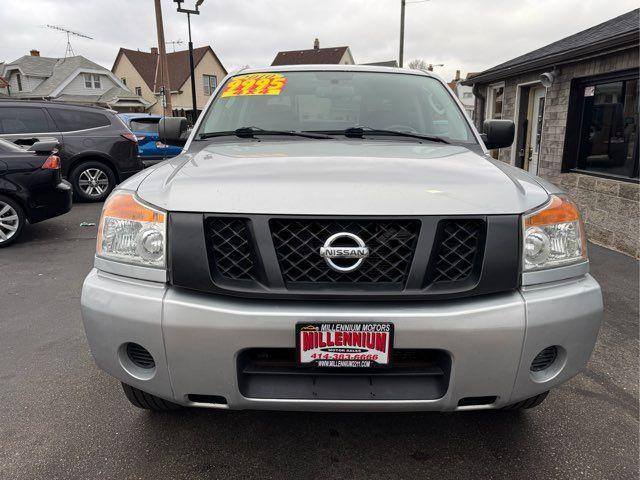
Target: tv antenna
173 44
69 51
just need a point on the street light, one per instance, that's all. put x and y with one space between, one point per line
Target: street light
194 112
403 4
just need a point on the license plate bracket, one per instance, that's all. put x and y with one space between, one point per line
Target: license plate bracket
353 345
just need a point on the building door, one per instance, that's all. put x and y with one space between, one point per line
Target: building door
534 123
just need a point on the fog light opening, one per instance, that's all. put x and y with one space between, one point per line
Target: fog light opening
544 359
137 361
140 356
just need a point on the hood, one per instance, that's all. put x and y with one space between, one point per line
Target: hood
350 177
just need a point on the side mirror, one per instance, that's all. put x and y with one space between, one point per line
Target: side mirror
498 133
173 130
44 147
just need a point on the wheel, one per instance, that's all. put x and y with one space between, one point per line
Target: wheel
12 220
531 402
92 181
145 400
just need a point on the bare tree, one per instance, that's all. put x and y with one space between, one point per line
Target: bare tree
418 64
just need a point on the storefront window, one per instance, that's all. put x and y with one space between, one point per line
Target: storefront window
608 132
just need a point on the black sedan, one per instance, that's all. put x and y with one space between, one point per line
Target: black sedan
31 187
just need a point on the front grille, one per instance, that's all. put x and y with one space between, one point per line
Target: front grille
391 246
421 257
231 248
457 250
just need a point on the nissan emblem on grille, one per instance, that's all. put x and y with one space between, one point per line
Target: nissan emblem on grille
329 252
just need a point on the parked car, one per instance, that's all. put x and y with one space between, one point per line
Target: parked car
31 187
96 149
339 239
145 128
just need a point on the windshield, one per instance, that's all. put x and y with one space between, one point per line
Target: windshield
335 101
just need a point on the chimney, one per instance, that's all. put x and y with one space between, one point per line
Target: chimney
457 75
34 53
316 44
154 50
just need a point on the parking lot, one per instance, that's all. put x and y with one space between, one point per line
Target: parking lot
61 418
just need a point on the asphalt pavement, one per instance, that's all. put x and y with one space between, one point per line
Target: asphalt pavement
62 418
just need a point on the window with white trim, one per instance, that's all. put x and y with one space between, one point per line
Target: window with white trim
495 102
210 82
92 81
19 80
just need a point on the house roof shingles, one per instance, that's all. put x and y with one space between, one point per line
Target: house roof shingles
621 26
56 69
314 56
34 66
179 70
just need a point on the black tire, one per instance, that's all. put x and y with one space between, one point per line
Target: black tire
531 402
145 400
10 227
92 181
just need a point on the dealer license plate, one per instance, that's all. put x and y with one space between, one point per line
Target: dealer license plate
344 345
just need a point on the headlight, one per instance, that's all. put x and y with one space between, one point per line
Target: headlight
553 236
131 232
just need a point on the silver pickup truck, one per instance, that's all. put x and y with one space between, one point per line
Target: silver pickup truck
338 238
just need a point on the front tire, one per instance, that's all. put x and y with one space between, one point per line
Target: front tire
12 220
92 181
147 401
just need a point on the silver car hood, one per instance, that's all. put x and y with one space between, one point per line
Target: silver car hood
351 177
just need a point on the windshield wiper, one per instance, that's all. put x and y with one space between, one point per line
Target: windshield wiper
360 131
251 132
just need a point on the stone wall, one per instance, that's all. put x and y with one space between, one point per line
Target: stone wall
611 208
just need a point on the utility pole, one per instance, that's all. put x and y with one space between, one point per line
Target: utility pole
162 71
196 11
403 4
402 8
194 104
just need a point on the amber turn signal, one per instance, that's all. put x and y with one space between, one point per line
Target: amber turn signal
559 210
123 205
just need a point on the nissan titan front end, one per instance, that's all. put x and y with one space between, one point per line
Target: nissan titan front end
337 238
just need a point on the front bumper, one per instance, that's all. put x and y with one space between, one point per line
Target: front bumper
196 339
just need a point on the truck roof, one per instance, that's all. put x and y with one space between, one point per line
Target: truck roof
332 68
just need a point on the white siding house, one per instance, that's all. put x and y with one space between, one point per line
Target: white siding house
72 79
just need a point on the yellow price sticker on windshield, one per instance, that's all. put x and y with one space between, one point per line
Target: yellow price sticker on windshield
255 84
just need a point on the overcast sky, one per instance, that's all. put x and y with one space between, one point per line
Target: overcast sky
469 35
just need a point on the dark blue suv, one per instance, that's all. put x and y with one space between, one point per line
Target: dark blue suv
145 128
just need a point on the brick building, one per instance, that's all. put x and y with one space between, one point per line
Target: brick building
575 106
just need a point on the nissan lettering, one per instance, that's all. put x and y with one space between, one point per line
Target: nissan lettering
339 238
